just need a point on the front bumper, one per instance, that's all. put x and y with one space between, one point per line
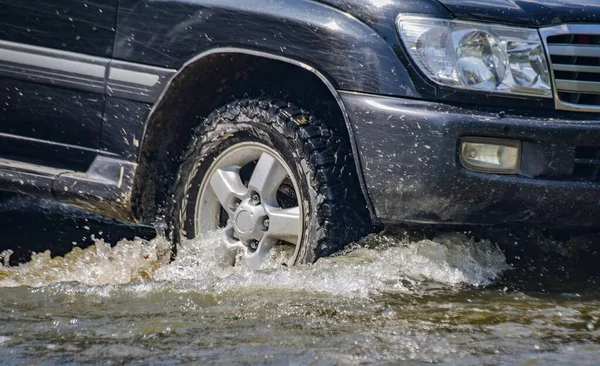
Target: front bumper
408 151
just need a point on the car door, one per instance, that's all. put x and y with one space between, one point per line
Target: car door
54 56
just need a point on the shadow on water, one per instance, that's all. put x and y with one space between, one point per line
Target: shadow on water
29 225
550 261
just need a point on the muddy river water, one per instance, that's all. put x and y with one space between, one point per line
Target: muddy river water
451 299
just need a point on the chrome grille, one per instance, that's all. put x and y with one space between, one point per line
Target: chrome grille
574 52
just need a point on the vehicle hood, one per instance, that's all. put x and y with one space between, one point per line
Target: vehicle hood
526 12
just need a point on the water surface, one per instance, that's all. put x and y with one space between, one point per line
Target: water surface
454 299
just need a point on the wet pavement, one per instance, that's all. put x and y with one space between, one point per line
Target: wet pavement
459 297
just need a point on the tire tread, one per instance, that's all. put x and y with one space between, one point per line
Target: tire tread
342 212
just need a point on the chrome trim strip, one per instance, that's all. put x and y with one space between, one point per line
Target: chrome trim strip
138 82
574 50
562 29
46 142
58 64
138 77
30 168
80 72
577 68
589 87
52 67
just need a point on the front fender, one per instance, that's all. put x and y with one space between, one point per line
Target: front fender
351 54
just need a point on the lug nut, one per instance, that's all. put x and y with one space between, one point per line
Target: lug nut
255 199
254 245
266 223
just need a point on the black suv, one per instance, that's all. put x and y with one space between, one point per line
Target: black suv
300 124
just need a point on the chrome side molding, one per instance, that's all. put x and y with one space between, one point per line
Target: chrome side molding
71 70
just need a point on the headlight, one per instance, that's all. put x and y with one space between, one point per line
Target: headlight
478 56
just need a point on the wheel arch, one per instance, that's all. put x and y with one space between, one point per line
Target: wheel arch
225 72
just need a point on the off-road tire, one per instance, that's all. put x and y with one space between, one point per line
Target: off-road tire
320 157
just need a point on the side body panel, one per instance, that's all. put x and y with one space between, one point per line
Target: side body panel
352 55
50 78
60 104
124 127
51 114
82 26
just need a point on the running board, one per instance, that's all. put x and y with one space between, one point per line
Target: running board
105 188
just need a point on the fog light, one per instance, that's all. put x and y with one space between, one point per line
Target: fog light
489 155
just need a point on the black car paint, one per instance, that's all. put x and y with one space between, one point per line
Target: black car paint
531 13
44 112
124 127
82 26
350 53
409 155
352 44
48 113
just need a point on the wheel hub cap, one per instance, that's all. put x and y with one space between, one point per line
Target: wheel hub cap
243 222
247 221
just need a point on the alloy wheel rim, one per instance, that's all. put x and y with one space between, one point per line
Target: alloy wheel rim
246 195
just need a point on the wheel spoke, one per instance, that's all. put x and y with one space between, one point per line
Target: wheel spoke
229 246
284 224
227 185
267 177
260 255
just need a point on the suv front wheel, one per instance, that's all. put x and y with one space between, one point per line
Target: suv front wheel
268 176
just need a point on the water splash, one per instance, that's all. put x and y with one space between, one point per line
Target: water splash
376 265
99 264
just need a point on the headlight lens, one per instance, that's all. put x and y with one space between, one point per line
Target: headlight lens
478 56
480 60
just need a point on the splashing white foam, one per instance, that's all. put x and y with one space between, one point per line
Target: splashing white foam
392 265
99 264
449 260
